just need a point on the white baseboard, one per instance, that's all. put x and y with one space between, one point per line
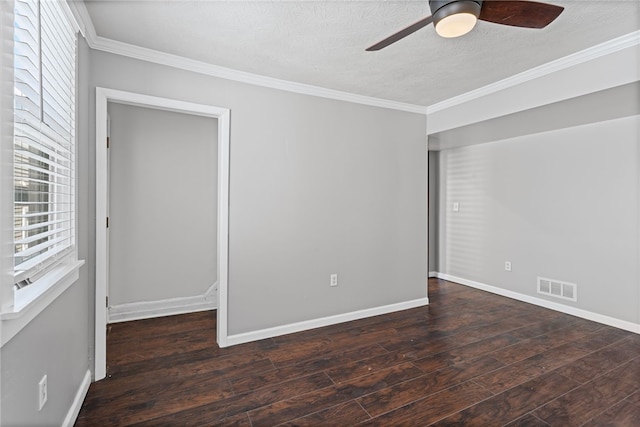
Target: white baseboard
324 321
167 307
433 274
596 317
74 410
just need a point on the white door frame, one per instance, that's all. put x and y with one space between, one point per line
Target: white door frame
103 97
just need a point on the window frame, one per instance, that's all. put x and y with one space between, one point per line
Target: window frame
19 306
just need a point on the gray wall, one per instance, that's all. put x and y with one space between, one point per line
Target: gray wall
317 186
433 210
58 341
562 204
163 204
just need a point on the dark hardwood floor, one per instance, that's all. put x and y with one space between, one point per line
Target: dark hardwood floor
469 358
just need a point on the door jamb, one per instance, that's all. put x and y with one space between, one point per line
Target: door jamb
103 97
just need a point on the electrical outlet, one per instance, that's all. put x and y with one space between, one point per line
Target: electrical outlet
42 392
333 280
507 266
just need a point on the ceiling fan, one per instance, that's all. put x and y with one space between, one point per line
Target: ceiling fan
454 18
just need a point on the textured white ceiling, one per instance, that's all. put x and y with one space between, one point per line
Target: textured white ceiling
323 43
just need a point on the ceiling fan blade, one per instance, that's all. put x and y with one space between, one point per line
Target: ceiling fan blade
527 14
401 34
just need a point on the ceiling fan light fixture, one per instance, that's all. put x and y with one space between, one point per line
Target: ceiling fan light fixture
456 25
456 18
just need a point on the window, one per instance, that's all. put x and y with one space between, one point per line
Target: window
44 139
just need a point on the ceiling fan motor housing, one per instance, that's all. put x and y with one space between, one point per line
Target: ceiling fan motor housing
440 9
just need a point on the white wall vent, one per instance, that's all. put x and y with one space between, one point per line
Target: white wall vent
558 289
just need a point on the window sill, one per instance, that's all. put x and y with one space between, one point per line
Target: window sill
32 300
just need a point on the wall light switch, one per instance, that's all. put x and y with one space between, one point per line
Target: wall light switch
456 206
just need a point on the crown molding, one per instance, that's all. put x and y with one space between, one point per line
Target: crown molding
162 58
83 20
589 54
112 46
96 42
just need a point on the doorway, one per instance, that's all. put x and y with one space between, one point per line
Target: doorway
162 213
109 97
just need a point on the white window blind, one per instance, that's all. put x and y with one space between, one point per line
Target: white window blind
44 137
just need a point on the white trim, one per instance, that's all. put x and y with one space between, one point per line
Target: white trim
182 63
103 96
224 129
596 317
589 54
68 12
83 20
324 321
433 274
112 46
45 291
102 271
167 307
157 57
74 410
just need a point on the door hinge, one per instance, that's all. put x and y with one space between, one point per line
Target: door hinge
108 142
107 222
107 302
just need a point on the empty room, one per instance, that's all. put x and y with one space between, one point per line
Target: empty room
332 213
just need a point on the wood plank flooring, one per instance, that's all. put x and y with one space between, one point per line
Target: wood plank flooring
469 358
